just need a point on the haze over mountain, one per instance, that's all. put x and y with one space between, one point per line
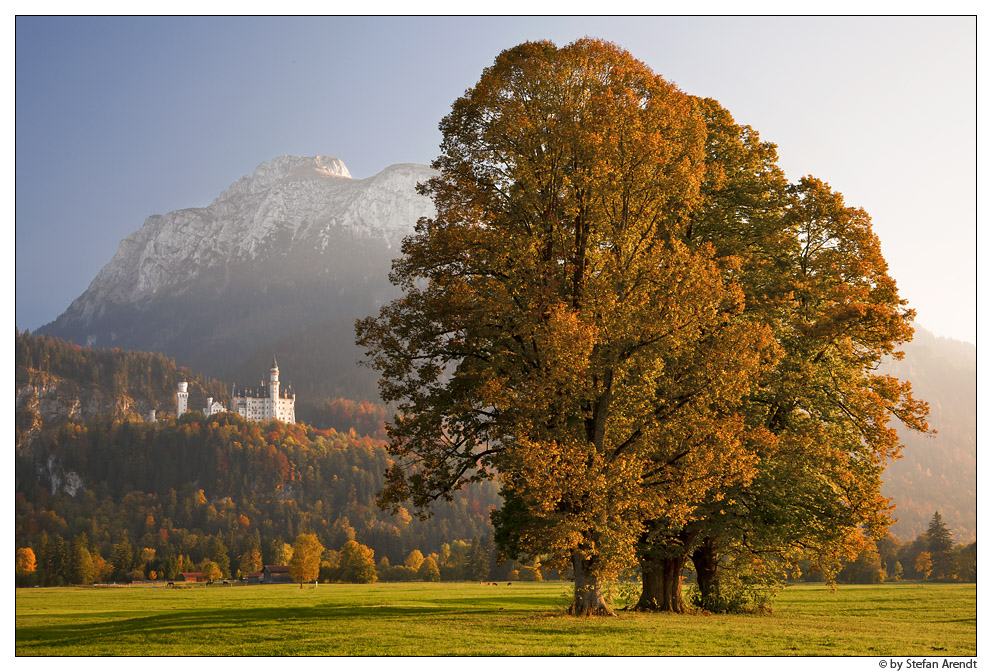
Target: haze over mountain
283 262
937 471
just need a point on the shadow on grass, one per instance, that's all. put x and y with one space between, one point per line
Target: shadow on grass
174 626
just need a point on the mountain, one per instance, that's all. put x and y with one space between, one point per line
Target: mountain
283 262
938 471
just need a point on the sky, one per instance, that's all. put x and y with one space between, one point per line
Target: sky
120 118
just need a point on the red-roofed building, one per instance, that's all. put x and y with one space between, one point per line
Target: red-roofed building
193 577
276 574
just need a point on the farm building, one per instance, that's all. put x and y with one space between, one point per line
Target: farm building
276 574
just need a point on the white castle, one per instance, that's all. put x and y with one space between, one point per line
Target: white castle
265 402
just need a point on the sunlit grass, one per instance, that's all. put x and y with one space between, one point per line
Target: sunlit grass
469 619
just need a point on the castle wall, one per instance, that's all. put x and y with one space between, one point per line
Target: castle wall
261 404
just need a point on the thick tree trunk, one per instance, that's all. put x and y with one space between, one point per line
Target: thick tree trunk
704 558
589 599
661 573
661 587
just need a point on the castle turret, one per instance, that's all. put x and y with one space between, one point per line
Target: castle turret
274 384
182 399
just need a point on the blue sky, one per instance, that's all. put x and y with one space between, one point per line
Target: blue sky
121 118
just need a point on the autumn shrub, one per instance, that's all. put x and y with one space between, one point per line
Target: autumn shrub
622 594
428 570
740 591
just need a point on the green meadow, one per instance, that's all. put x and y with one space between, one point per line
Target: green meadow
470 619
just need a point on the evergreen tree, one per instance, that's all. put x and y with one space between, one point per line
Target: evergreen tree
81 570
218 553
42 558
122 558
940 544
54 563
966 560
170 567
478 561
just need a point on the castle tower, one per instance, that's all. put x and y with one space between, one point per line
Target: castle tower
182 399
274 385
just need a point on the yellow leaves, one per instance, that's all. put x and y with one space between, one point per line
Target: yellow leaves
593 307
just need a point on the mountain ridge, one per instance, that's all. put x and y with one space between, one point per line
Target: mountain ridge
297 250
309 200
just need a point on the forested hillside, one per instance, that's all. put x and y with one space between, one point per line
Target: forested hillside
56 380
178 486
88 466
937 471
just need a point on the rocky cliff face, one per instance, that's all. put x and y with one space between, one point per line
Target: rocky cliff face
41 398
287 206
298 247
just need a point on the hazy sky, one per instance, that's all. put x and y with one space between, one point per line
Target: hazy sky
121 118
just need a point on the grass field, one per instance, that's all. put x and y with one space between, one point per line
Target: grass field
469 619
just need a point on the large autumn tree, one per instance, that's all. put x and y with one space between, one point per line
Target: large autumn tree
812 272
739 215
556 330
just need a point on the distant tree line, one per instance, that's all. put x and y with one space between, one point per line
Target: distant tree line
58 562
932 556
364 417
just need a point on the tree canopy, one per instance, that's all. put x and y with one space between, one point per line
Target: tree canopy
625 313
556 328
305 564
811 271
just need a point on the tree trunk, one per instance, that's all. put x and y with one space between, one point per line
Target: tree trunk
588 589
661 588
661 573
704 558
